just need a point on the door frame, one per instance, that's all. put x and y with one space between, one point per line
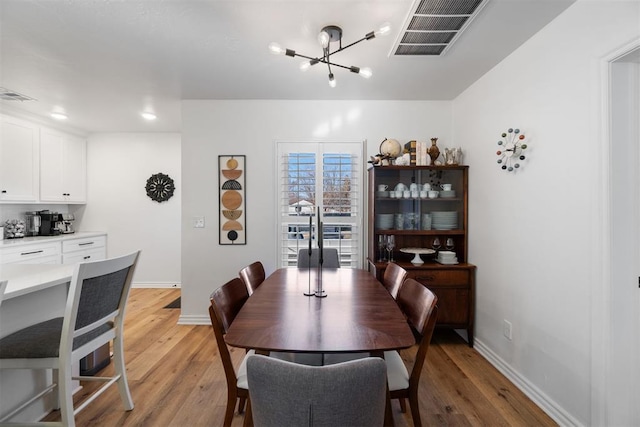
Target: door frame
601 319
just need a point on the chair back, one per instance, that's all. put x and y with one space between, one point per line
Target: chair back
3 287
96 302
418 303
393 278
282 393
330 258
226 302
252 275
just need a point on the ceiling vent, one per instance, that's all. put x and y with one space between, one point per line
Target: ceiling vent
433 26
10 95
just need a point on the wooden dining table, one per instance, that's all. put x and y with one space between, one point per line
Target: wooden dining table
357 315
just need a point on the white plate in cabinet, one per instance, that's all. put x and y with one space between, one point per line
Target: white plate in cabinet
44 253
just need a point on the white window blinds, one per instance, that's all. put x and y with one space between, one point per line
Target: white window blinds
324 175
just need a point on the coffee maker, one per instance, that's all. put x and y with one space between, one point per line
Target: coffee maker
49 223
67 223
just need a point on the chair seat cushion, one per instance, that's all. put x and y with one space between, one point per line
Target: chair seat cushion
242 371
42 340
397 374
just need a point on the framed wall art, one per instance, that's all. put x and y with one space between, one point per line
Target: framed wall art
231 172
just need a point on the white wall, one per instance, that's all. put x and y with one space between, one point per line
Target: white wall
213 128
536 235
118 166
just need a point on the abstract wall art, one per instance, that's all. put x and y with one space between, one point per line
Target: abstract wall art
232 196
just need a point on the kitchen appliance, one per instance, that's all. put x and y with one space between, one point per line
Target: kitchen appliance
49 223
33 224
67 223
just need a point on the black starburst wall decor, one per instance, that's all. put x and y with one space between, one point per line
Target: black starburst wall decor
160 187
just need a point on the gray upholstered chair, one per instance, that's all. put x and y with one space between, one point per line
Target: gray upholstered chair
330 258
94 316
346 394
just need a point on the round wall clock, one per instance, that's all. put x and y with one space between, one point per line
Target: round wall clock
160 187
511 150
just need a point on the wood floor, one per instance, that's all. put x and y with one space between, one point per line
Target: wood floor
176 378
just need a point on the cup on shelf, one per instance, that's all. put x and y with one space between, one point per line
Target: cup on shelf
415 194
424 194
383 187
446 187
406 194
426 186
433 194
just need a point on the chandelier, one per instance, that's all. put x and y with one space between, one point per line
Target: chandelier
331 34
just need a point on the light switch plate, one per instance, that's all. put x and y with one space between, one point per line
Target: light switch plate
198 222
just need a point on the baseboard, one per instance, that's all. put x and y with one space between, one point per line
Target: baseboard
164 285
192 319
548 405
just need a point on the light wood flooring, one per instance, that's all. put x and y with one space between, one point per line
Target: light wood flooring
176 378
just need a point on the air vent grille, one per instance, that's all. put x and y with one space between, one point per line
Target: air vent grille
434 25
11 95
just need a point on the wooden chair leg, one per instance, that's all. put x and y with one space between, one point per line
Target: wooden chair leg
248 416
415 410
241 404
403 405
228 413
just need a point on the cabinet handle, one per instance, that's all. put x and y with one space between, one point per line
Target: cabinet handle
31 253
427 278
4 191
85 243
87 257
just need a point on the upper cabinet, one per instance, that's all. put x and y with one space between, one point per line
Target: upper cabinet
63 168
38 164
19 144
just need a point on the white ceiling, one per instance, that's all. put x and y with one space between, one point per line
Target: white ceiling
104 61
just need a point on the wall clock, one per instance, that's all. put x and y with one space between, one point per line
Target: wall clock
511 150
160 187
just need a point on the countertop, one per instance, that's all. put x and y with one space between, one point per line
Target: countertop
46 239
27 278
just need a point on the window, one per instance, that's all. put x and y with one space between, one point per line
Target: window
326 176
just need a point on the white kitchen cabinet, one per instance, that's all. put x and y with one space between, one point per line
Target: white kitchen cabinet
63 167
85 249
37 253
19 160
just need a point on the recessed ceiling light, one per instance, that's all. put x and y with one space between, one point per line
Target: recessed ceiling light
59 116
148 116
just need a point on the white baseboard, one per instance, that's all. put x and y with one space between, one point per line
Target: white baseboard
192 319
166 285
548 405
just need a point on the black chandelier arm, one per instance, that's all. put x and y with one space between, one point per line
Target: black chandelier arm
351 44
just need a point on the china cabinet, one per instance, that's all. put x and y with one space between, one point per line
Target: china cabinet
420 222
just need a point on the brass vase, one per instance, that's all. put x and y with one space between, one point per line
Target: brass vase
433 151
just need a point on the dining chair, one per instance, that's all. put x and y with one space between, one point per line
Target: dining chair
393 277
346 394
252 275
226 302
330 258
419 305
3 287
93 317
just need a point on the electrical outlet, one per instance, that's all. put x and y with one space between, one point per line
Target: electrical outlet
506 330
198 222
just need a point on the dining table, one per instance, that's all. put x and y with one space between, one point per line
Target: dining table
355 314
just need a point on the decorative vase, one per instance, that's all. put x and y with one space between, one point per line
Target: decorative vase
433 151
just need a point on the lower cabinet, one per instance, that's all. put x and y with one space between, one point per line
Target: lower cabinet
454 285
41 253
86 249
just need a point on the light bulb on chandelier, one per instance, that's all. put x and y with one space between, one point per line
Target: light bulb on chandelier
331 34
